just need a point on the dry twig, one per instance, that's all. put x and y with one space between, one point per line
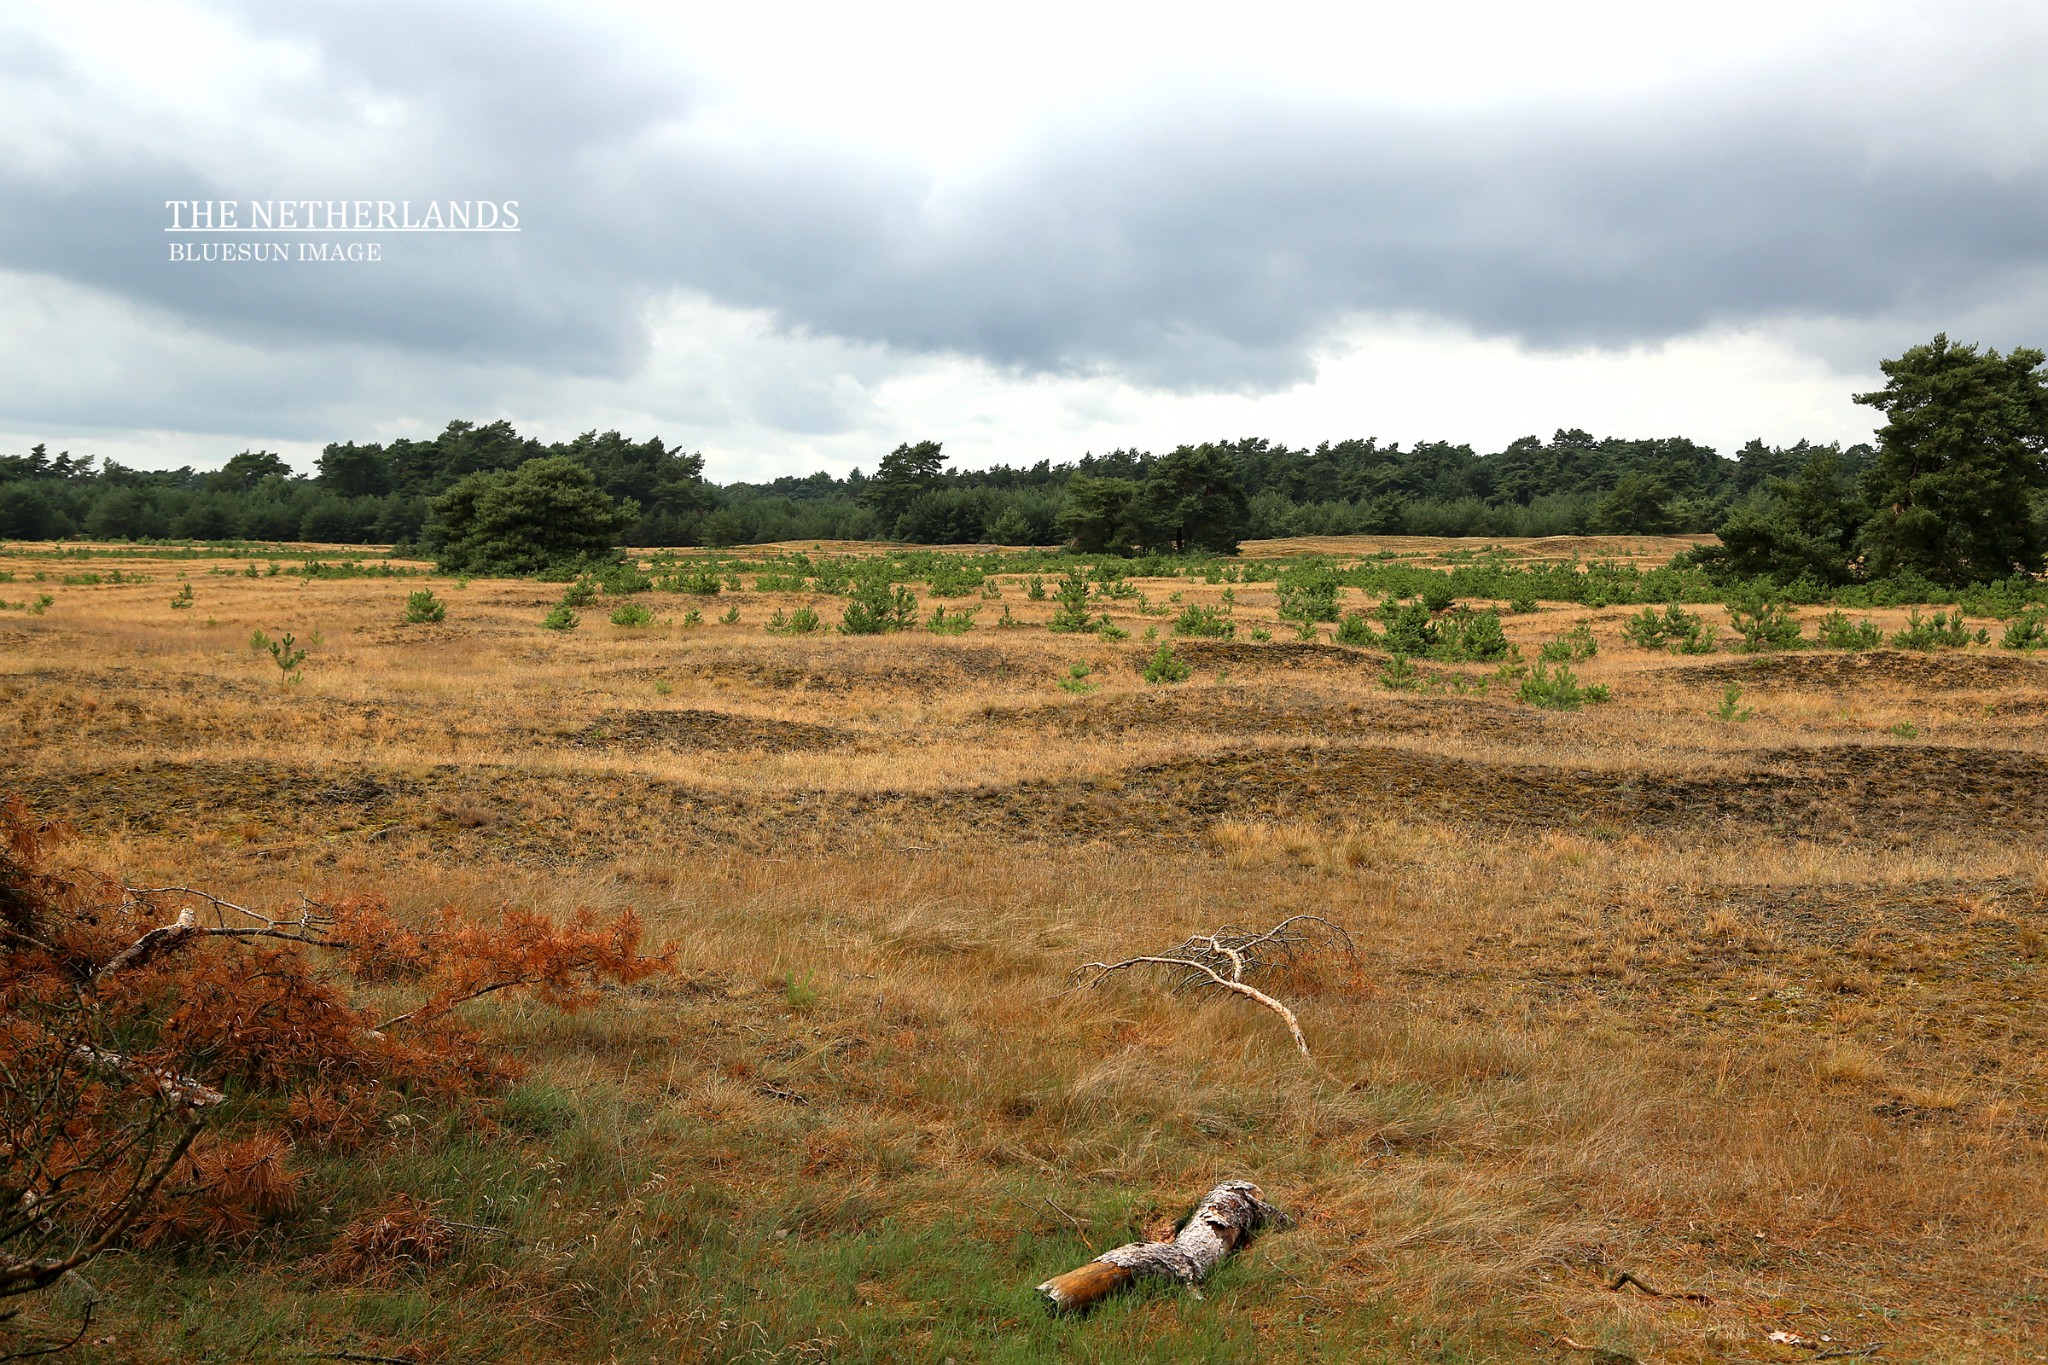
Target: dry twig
1629 1278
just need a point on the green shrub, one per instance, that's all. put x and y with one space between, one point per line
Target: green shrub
1675 629
2028 631
1837 631
1034 588
632 615
1261 634
779 582
1354 630
1764 623
950 579
623 580
1905 729
1522 602
1731 707
1077 682
1204 622
1110 630
1944 630
879 606
1164 667
1309 592
731 616
1559 690
183 601
560 617
1410 627
1305 631
1072 615
692 618
581 593
942 622
1008 622
422 608
1467 636
1575 646
802 621
700 579
1437 597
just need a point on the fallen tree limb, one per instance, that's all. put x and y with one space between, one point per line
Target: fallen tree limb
1226 1220
1223 959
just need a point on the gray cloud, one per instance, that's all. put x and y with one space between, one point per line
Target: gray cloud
1212 247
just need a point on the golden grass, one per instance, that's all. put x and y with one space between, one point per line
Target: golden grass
1750 1009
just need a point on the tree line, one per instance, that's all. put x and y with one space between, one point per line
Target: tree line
1951 490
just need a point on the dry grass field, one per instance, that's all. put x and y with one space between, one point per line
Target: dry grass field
1749 1009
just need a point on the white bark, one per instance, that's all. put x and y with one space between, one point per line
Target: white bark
1228 1217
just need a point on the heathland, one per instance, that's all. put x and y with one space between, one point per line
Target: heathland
1698 942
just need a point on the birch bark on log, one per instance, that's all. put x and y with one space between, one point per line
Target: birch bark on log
1228 1217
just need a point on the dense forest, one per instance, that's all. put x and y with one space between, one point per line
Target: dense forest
1955 490
369 493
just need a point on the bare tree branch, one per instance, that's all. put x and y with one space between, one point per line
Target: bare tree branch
1223 959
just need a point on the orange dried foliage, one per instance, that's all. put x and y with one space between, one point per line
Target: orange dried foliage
567 966
267 1018
400 1234
222 1188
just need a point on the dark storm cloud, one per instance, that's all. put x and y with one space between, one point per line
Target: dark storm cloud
1211 248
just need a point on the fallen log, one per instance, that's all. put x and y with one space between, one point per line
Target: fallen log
1226 1220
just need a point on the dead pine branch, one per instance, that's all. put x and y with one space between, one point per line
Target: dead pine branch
1222 960
1226 1220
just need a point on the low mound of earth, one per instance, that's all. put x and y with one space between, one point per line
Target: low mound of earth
640 731
1887 667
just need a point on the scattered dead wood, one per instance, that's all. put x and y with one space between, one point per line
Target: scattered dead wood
1223 959
1226 1220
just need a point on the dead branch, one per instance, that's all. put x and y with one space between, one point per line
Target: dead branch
307 927
1629 1278
1226 1220
1223 959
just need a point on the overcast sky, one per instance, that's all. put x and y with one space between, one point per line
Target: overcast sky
793 236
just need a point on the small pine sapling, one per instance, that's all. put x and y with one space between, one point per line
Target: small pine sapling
1165 667
423 608
1731 708
632 615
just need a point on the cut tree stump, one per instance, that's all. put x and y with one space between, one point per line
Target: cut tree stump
1226 1220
